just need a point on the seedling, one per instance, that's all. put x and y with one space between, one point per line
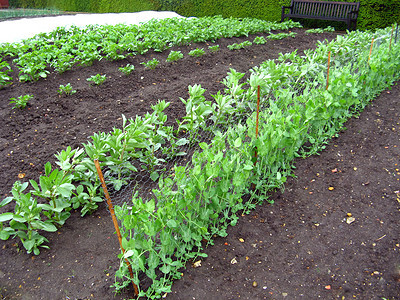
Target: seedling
197 52
174 56
151 64
214 48
5 79
21 101
67 89
236 46
128 69
321 30
259 40
97 79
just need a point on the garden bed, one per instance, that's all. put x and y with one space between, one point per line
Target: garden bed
299 246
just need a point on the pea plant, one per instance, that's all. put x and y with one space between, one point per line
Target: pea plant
199 201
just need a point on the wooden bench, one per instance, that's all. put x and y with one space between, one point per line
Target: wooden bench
323 10
4 4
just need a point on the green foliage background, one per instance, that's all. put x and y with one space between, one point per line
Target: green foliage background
373 13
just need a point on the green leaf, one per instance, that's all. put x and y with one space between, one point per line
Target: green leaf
47 168
48 227
165 269
65 189
182 142
6 201
248 167
238 142
172 224
196 170
128 253
6 217
154 176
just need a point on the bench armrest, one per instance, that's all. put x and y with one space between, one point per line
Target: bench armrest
283 11
353 13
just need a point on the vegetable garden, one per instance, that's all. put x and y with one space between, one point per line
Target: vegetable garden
219 160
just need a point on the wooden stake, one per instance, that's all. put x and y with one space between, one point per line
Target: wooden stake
370 50
391 37
257 121
258 109
327 75
114 218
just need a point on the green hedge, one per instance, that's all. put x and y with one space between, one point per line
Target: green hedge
373 13
95 6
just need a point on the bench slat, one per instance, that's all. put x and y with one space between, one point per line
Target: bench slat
324 10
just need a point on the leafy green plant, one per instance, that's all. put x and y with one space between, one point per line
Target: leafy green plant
321 30
259 40
174 56
197 52
87 199
151 64
97 79
5 79
236 46
26 220
66 89
21 101
214 48
128 69
56 187
281 36
197 109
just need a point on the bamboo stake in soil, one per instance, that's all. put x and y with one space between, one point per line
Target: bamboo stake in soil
111 208
370 50
391 37
327 75
257 121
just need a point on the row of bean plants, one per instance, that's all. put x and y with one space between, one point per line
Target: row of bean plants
196 202
64 47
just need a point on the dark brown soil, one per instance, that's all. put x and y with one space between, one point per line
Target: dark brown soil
299 248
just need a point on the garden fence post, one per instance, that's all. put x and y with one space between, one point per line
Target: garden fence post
112 212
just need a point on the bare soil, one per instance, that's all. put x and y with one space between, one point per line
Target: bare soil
301 247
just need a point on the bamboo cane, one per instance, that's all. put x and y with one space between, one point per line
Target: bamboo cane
327 75
111 208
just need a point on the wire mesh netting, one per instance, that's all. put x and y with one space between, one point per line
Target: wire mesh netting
298 113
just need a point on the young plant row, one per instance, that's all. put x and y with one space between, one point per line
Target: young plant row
144 144
301 113
64 48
